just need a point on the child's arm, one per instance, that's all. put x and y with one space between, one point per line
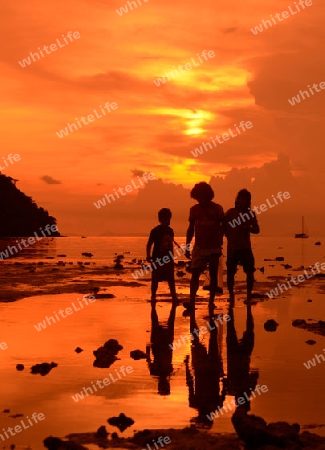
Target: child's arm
254 226
189 237
148 248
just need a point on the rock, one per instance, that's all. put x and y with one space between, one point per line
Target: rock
279 258
6 411
78 350
101 433
287 266
87 254
180 273
20 367
270 325
106 355
318 243
122 422
315 327
54 443
43 368
61 256
310 342
254 431
181 263
138 354
309 300
298 322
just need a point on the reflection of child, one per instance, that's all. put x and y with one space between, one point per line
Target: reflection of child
162 238
239 223
206 223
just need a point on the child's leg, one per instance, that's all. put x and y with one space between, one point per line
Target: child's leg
154 286
172 288
213 270
231 271
194 285
249 269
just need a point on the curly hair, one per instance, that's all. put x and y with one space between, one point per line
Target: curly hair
202 190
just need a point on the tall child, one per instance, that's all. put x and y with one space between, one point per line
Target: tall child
162 261
239 223
206 225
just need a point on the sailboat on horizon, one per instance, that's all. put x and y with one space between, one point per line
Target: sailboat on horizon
304 232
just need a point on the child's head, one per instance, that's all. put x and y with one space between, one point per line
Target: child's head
164 216
243 199
202 193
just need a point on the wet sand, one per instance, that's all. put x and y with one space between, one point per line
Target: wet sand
277 357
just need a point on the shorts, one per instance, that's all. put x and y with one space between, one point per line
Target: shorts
203 256
243 257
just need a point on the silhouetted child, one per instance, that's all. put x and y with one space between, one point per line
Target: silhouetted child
239 223
162 262
206 224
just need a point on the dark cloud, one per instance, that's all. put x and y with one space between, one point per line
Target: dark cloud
50 180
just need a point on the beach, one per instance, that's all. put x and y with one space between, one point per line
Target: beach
158 393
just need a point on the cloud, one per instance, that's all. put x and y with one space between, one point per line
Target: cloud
137 173
50 180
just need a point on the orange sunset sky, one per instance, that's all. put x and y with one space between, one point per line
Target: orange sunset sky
155 128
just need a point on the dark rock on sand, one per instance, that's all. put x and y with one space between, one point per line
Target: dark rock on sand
180 273
54 443
43 368
6 411
270 325
310 342
101 433
78 350
106 355
316 327
138 354
20 367
309 300
122 422
255 432
279 258
87 254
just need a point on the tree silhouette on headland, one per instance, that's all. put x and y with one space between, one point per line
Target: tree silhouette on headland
19 214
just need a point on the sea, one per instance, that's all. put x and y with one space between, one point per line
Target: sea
169 388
